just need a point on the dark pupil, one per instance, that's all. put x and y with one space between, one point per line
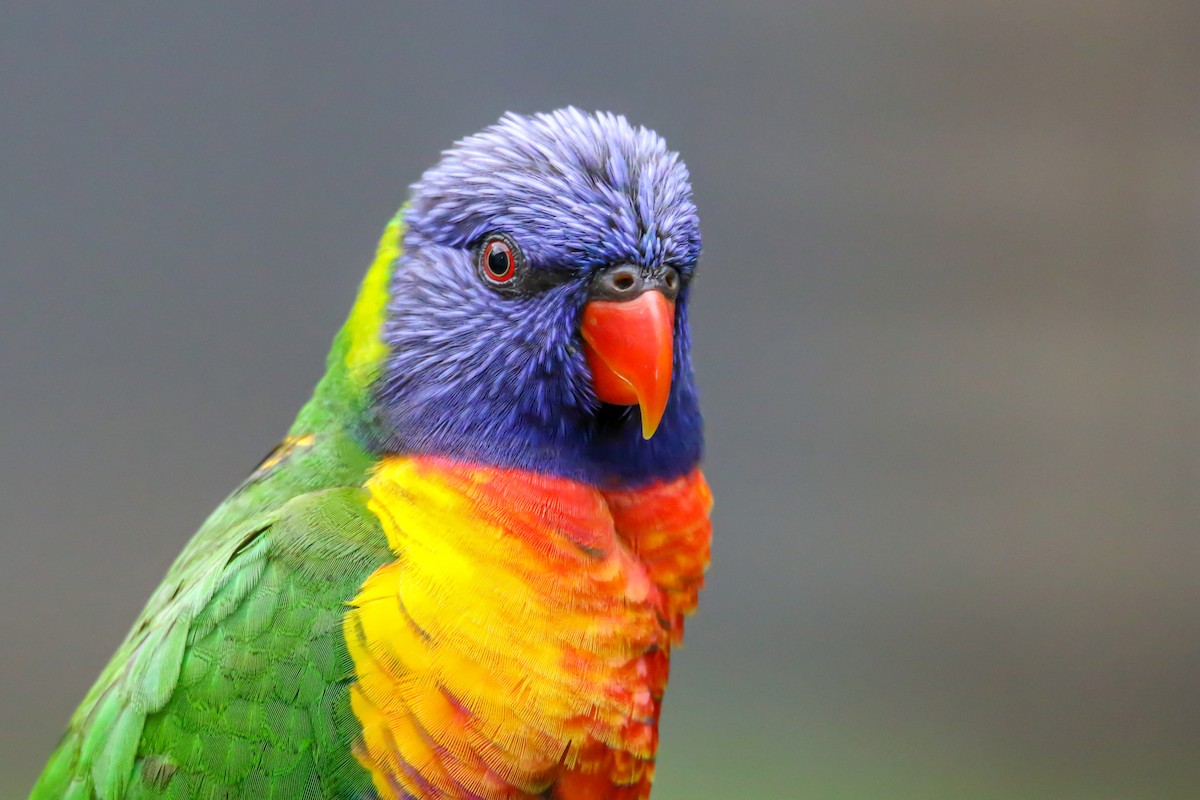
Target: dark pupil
497 260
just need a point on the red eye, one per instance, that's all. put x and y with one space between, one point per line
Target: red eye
499 261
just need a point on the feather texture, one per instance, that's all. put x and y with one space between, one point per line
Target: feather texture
518 641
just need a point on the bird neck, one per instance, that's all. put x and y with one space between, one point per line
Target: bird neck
342 398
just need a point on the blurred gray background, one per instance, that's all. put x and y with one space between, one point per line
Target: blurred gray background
947 333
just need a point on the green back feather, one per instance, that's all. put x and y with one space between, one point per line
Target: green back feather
233 681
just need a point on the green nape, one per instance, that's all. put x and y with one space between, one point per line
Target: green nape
233 682
356 358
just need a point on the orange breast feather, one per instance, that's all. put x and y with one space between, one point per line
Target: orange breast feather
517 647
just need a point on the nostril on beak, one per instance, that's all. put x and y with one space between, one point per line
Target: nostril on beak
670 282
627 281
621 282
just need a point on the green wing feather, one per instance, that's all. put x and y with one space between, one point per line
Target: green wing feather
233 682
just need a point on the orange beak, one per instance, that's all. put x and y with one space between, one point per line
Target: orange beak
628 344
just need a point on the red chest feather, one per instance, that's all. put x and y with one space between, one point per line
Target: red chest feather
519 643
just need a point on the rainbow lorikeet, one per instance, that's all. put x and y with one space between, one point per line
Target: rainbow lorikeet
462 572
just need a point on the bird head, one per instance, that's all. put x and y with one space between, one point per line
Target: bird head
537 312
